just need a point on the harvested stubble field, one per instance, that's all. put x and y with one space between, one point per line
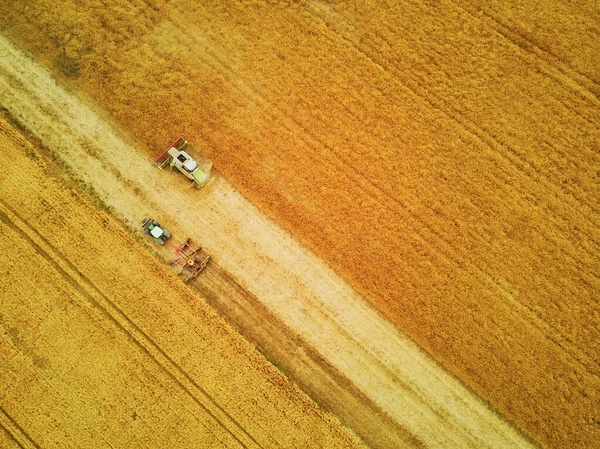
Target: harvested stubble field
444 159
102 347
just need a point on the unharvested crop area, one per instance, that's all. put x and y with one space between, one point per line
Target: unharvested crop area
102 347
443 159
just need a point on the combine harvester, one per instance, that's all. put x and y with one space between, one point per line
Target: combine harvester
187 258
196 169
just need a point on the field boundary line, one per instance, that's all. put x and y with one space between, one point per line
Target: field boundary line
124 324
17 432
347 384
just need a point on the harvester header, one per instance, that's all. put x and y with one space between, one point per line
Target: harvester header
196 168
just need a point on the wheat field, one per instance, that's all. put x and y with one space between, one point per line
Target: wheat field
443 158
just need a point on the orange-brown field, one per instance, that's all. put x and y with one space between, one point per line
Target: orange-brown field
443 158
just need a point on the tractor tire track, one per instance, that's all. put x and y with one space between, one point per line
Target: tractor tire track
588 88
15 431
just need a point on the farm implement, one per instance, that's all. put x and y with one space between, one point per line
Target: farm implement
196 169
187 259
159 234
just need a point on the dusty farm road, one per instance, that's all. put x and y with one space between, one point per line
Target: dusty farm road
279 294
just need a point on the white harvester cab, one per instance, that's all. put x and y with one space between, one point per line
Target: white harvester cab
196 168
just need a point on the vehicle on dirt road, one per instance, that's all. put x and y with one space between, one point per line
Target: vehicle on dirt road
196 168
187 258
156 231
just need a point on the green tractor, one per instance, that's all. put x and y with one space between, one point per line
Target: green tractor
156 231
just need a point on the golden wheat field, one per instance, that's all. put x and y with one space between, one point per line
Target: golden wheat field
443 158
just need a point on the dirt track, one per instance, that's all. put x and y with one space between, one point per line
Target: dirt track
280 295
443 158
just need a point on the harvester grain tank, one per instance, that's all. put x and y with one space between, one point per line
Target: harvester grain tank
177 155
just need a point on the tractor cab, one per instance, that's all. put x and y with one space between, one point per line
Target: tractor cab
187 162
159 234
156 232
